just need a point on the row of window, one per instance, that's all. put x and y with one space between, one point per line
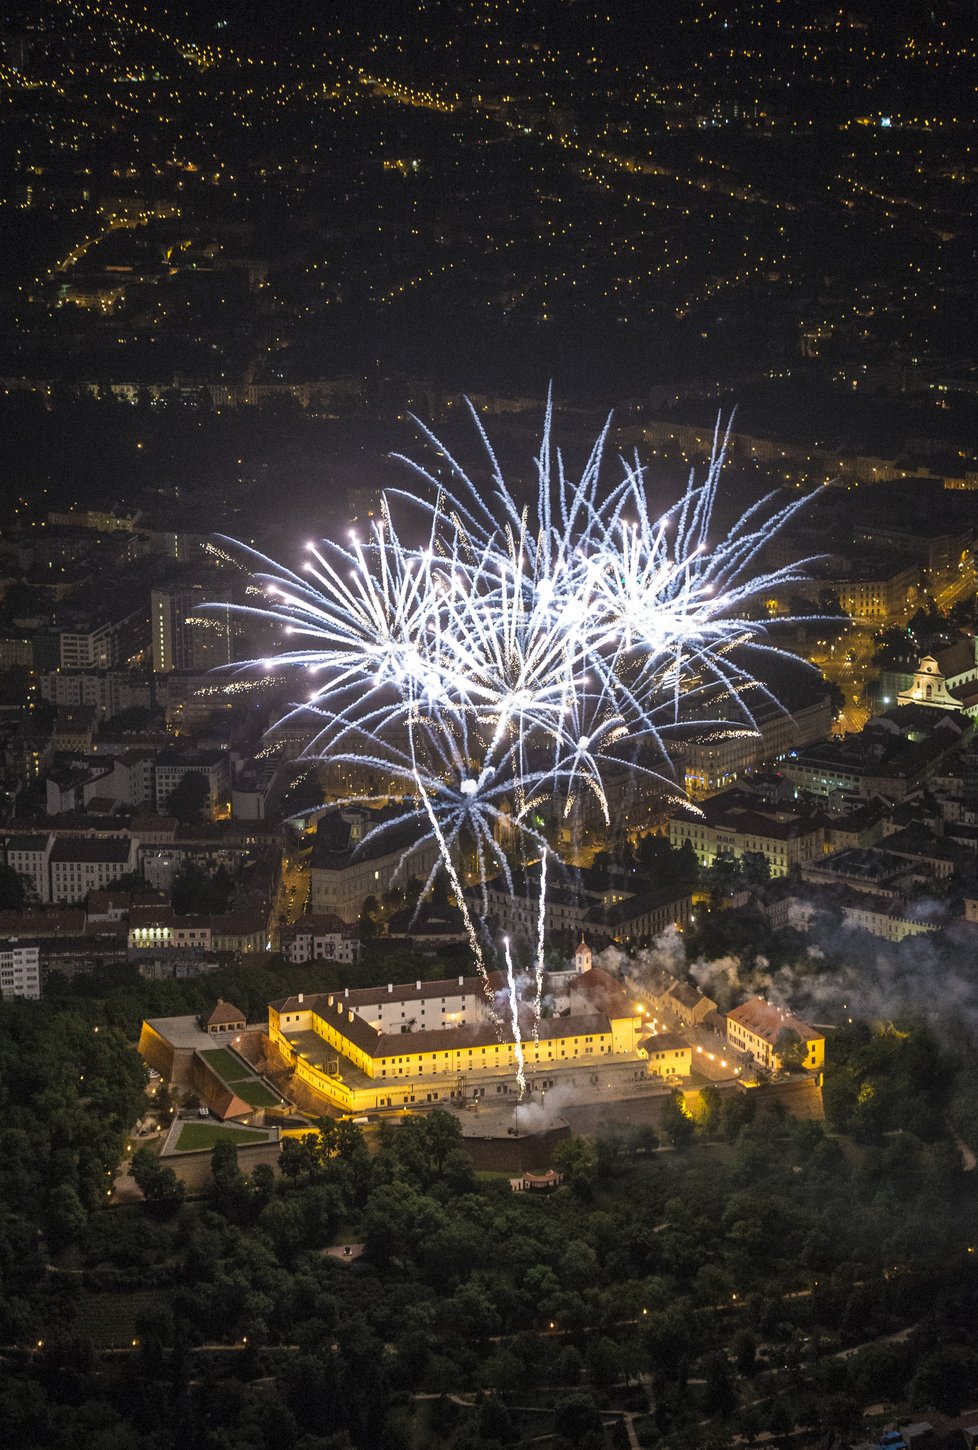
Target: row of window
408 1072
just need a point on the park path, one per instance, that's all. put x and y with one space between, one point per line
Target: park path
468 1402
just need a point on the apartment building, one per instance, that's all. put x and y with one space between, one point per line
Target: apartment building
29 856
87 863
20 969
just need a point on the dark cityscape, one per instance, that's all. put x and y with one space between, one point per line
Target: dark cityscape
488 690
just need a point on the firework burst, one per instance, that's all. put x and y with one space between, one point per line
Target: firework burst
501 667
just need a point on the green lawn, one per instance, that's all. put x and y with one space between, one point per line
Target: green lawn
225 1064
240 1078
256 1094
205 1135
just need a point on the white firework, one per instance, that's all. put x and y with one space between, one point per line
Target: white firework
517 654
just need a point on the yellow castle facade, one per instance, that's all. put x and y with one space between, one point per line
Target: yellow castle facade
428 1042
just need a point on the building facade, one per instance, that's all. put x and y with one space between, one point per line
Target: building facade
30 857
211 765
20 970
757 1026
109 692
433 1042
668 1054
102 645
185 636
733 823
320 938
83 864
350 862
712 765
614 914
947 680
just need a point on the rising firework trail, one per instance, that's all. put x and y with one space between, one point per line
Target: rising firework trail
514 1010
499 669
541 939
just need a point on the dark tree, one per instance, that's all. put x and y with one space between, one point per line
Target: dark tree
722 878
576 1418
755 868
678 1127
198 892
12 890
293 1158
711 1102
948 1379
576 1161
495 1421
159 1185
188 797
65 1216
744 1348
719 1391
369 919
790 1048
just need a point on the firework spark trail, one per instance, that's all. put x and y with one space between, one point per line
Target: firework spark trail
538 1002
449 864
514 1008
524 651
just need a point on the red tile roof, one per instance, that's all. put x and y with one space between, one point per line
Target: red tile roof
224 1014
765 1020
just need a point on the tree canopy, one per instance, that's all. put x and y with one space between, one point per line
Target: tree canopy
188 798
702 1273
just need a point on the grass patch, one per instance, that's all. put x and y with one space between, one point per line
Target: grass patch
225 1064
256 1094
205 1135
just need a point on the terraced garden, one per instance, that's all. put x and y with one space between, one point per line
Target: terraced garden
195 1136
226 1065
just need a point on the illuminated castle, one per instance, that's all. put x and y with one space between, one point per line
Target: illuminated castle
452 1041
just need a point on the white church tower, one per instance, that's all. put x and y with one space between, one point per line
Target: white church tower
582 957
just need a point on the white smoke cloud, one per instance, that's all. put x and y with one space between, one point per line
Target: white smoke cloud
538 1115
841 972
836 972
712 977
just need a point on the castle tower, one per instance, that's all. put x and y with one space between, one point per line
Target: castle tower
582 957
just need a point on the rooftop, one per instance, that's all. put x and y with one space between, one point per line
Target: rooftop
36 842
115 850
623 912
327 924
737 810
341 837
956 659
665 1042
57 921
603 992
859 863
403 992
181 1031
767 1021
604 997
225 1014
189 759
